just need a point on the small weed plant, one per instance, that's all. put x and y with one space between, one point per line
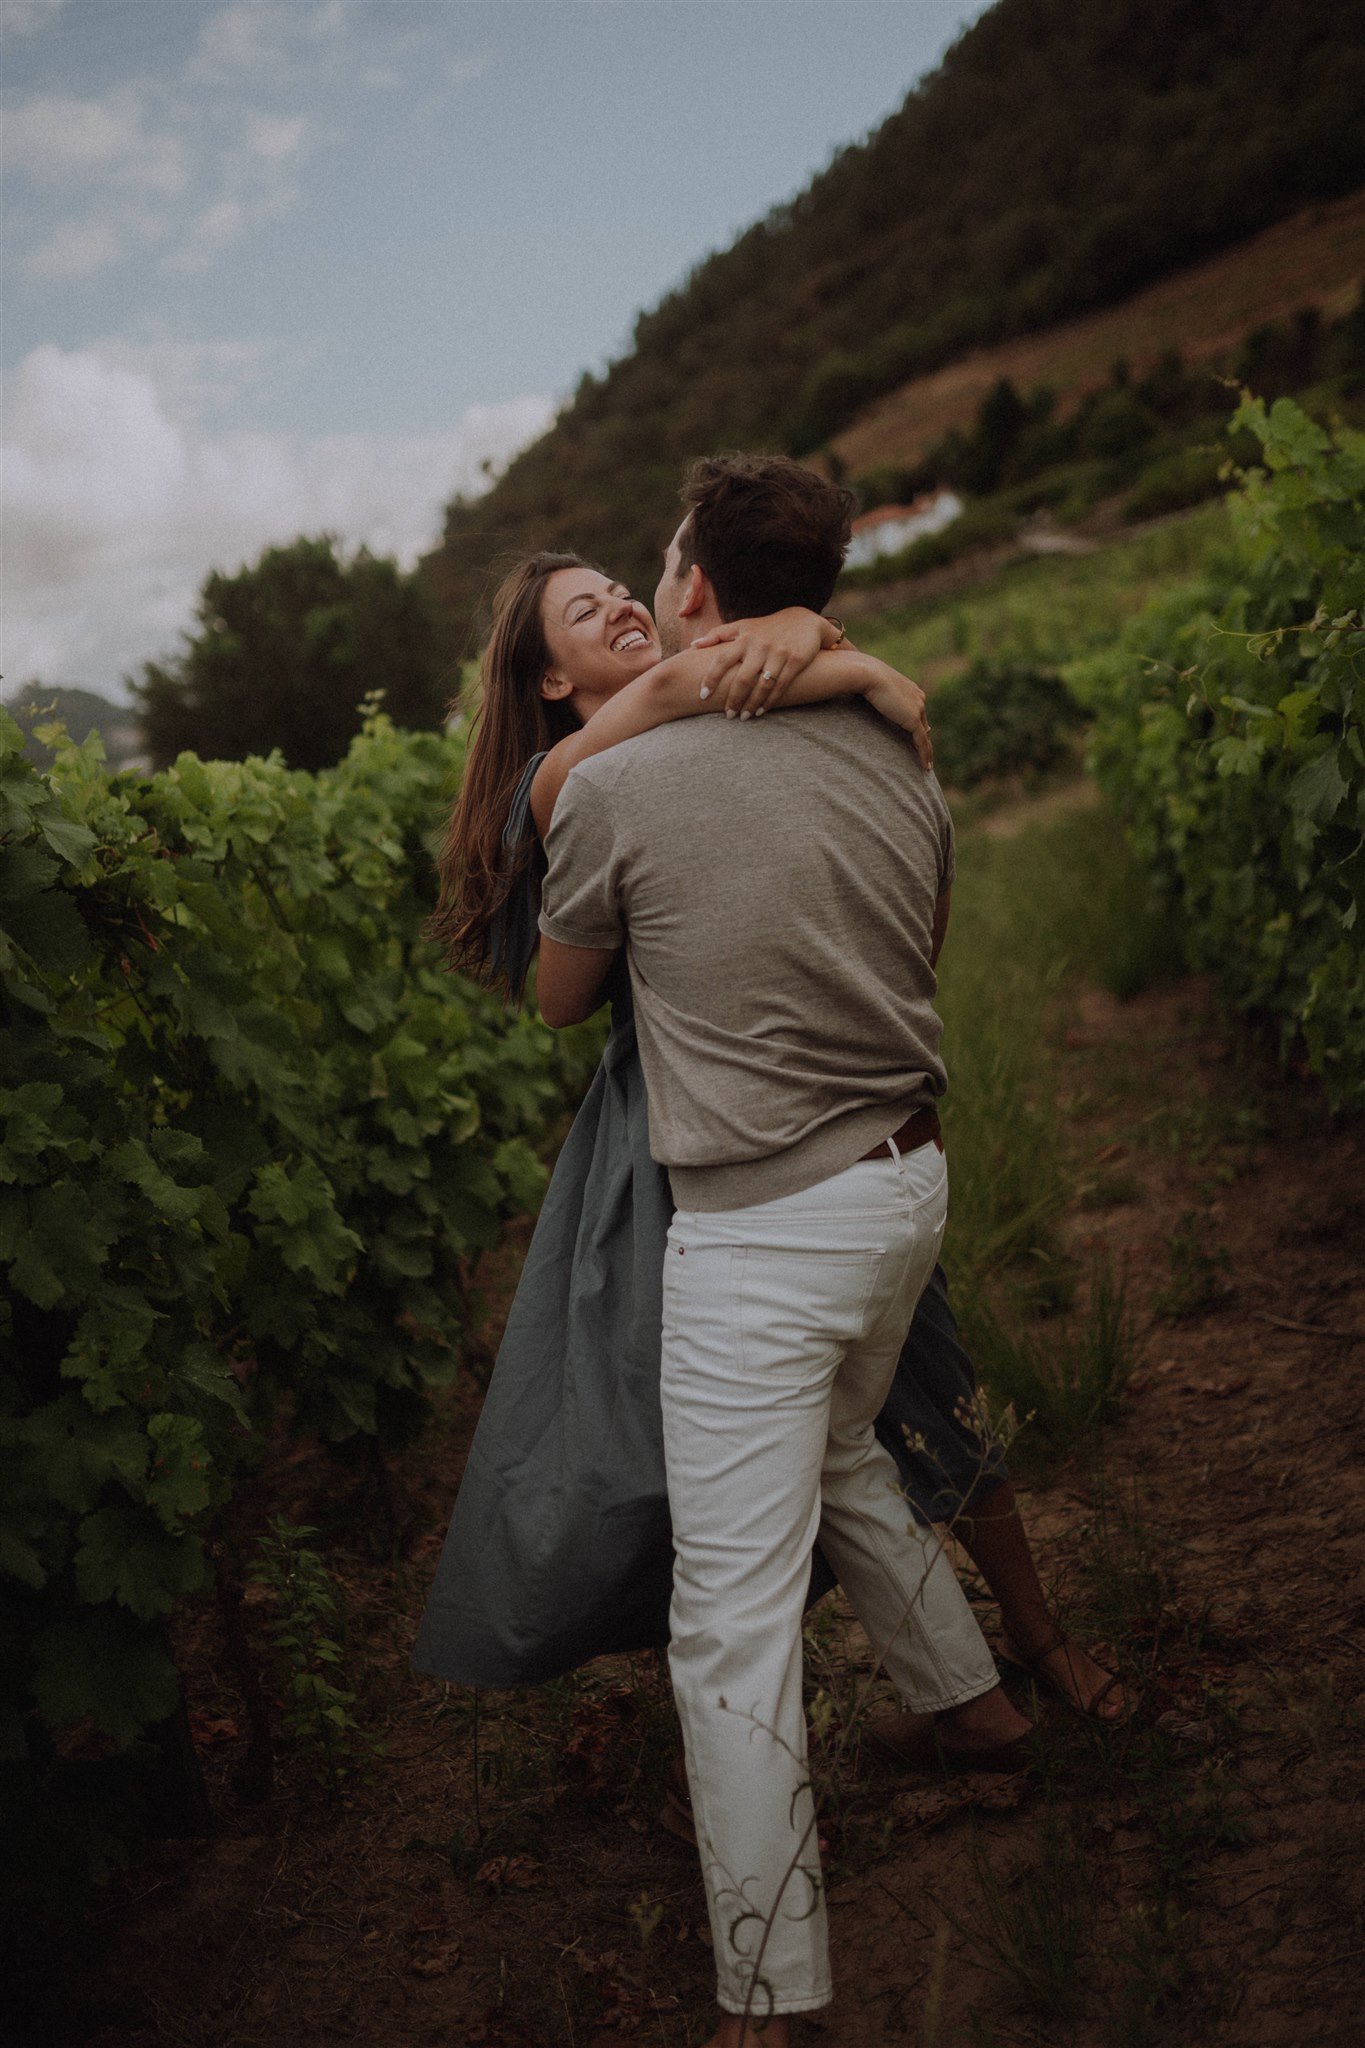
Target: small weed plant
1199 1268
1031 1926
307 1634
1067 1380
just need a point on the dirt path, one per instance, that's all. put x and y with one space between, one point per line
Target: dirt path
1196 1877
1214 1858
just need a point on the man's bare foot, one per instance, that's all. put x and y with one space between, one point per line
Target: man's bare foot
983 1723
734 2031
1072 1673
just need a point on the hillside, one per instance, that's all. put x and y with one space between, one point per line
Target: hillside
81 712
1066 154
1317 258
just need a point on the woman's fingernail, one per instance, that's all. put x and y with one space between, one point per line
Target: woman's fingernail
706 689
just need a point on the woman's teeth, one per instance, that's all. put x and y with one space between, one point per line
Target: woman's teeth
634 638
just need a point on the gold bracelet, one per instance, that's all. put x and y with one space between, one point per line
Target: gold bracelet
842 635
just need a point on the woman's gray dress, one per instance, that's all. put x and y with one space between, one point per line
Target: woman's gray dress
560 1546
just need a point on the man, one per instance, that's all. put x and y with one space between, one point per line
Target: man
783 897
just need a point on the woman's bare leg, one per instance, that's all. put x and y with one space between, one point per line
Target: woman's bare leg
995 1539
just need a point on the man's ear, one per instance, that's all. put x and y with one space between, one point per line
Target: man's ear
694 593
554 687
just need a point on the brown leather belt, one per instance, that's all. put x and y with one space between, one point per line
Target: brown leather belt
921 1128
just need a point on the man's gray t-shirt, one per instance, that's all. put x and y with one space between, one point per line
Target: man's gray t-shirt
776 881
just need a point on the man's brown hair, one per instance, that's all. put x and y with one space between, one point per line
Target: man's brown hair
765 531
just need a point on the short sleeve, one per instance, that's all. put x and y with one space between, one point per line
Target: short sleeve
580 896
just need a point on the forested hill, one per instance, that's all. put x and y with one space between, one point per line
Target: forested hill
1064 153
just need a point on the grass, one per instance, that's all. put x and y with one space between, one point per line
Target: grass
1031 1927
1034 914
1083 1930
1051 609
1063 1385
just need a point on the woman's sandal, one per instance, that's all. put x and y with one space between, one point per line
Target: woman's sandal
1030 1662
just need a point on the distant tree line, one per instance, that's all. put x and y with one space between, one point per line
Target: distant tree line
286 652
1065 153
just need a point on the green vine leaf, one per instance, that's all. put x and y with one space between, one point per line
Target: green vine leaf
1317 790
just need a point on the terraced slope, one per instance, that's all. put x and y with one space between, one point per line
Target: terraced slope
1317 258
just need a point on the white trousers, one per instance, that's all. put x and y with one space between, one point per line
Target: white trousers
782 1324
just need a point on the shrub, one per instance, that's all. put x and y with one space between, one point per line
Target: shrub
1177 481
1115 422
895 484
1002 718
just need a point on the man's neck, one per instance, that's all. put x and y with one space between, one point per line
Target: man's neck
702 622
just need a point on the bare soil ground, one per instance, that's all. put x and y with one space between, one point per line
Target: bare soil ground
1317 258
499 1877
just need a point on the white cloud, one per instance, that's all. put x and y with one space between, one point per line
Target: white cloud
216 227
57 139
196 161
25 17
102 179
237 38
76 248
98 179
190 378
52 136
259 36
329 19
276 137
117 502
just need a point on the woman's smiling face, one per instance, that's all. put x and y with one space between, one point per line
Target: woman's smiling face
598 636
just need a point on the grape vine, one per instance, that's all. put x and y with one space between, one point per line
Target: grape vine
251 1126
1230 735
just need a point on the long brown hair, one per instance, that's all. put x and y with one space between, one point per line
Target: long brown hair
512 723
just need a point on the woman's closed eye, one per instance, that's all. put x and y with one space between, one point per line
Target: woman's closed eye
589 607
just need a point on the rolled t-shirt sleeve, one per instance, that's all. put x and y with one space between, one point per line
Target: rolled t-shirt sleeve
580 896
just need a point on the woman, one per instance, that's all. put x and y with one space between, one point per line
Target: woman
559 1548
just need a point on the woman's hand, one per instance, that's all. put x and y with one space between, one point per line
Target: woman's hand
758 660
900 702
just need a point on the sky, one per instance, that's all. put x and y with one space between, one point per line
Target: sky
275 267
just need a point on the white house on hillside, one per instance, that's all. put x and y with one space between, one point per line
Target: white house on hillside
892 527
